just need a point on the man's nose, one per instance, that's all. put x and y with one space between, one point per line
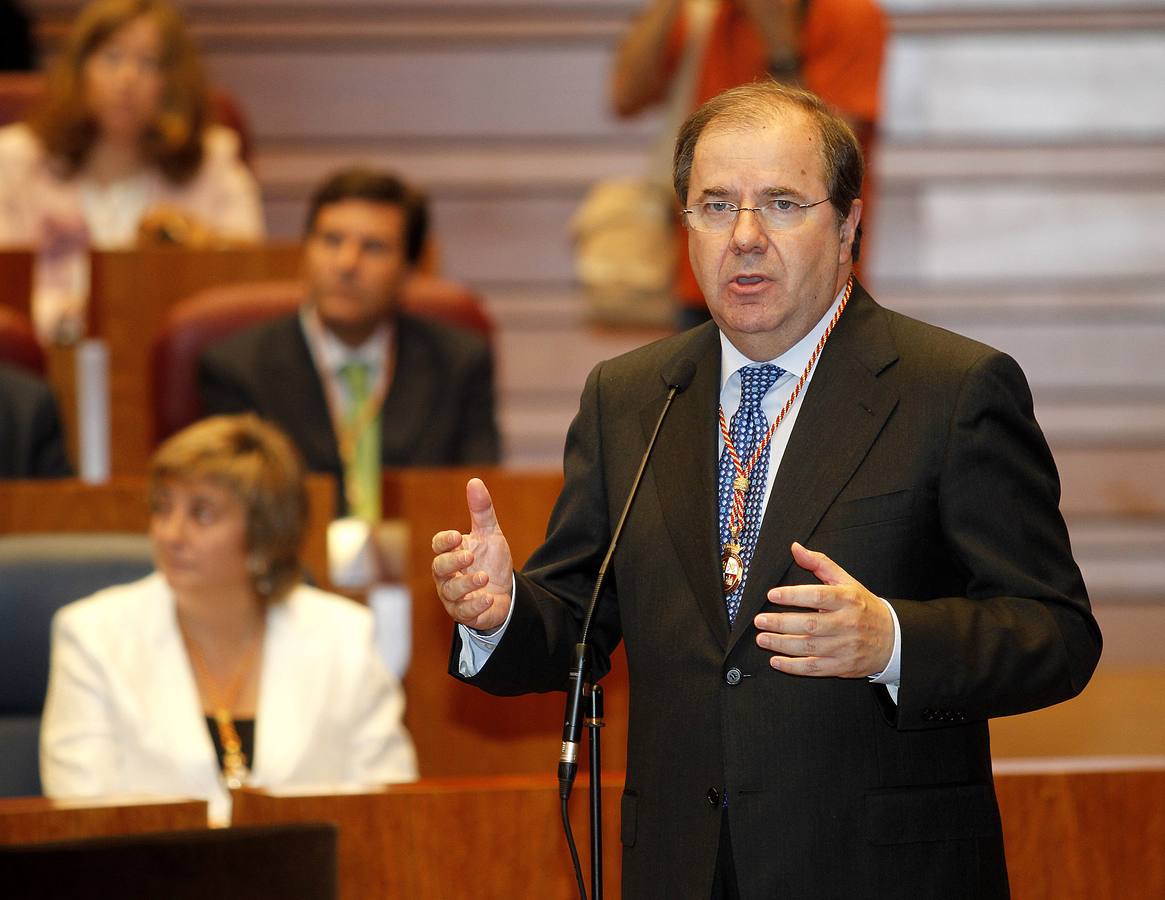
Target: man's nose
126 71
748 231
347 255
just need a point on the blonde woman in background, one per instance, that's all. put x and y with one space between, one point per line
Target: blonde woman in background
222 668
121 140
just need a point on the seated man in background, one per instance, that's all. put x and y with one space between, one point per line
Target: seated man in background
356 383
31 441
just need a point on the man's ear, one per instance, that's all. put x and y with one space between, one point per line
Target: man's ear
846 231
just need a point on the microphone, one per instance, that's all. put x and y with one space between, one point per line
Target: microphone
677 376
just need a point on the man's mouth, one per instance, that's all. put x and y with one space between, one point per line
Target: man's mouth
748 279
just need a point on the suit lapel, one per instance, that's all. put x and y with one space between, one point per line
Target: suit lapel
286 699
174 708
684 470
844 409
300 395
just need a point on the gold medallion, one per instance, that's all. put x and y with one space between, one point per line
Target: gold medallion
732 567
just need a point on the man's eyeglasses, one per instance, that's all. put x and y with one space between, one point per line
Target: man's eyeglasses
715 216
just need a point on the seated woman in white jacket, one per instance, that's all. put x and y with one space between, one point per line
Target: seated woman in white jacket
221 668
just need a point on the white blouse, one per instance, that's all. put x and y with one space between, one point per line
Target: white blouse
62 218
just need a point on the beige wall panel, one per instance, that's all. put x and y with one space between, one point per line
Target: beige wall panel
1026 86
502 92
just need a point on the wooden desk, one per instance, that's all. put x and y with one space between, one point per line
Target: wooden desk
438 837
1073 831
121 505
27 820
1084 829
131 293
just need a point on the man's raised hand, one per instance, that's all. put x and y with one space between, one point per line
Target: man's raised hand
474 572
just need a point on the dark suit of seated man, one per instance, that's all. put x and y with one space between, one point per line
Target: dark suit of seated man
354 382
31 441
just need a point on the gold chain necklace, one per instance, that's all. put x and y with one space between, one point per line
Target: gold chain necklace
223 698
731 564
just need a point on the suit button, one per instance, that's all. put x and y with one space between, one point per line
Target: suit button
713 798
733 676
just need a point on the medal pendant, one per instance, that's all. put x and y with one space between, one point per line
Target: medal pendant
732 567
740 483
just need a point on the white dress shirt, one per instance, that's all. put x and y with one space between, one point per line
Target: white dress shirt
330 355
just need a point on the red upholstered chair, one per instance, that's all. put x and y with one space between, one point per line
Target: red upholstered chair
195 324
211 315
20 92
18 343
449 302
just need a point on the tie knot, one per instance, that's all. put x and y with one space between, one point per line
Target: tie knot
755 382
355 376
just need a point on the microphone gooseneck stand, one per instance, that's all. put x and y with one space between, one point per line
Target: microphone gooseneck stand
678 376
594 722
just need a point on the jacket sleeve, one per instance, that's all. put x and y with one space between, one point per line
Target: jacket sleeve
78 740
554 589
381 750
1024 636
221 388
48 459
480 442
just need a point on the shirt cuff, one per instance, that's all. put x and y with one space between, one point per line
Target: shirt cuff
891 676
477 647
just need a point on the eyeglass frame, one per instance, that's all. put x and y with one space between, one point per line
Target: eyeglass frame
751 209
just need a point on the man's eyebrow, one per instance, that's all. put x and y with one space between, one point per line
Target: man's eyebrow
773 191
781 191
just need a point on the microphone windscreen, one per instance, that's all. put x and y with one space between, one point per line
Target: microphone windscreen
679 373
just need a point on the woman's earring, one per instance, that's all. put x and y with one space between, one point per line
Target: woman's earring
260 571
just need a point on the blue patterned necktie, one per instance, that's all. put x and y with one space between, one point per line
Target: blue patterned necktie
747 429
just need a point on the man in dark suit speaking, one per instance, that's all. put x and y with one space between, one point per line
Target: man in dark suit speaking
356 383
845 557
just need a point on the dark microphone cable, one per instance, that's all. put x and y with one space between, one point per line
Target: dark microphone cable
677 377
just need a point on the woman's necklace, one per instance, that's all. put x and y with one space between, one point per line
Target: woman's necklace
223 696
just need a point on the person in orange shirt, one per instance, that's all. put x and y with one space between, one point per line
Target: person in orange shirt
834 48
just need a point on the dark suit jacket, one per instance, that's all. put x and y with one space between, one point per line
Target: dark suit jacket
31 442
916 464
439 410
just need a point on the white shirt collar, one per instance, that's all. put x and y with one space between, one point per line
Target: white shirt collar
330 353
